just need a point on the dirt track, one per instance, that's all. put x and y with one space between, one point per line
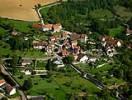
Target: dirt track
21 9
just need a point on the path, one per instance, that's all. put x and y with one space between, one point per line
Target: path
30 58
89 77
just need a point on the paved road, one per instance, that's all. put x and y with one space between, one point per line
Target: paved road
12 80
89 77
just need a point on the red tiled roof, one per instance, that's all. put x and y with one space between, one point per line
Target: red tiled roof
8 88
110 40
76 36
56 26
65 52
37 26
49 26
40 43
2 82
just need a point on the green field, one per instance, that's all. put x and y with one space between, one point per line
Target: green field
21 26
59 85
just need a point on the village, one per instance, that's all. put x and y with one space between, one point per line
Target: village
64 44
83 53
66 50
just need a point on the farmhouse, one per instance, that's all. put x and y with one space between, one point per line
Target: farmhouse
39 44
26 62
48 27
82 58
10 90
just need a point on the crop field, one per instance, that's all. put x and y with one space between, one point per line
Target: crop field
21 9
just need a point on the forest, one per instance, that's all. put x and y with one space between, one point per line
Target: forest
94 15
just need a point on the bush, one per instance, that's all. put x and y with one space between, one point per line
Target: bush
27 84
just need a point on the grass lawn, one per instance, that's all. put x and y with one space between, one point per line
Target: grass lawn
31 53
21 26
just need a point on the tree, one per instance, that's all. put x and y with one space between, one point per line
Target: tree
14 61
129 75
27 84
130 23
104 94
68 59
50 65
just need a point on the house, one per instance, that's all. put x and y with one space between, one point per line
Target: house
128 31
76 49
27 70
50 48
75 37
26 62
119 44
7 88
84 38
59 63
82 58
40 72
52 39
129 46
57 28
2 82
110 51
48 27
110 41
39 45
92 59
37 26
10 90
63 53
14 33
65 34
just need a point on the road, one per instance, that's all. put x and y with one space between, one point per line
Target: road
89 77
11 80
39 14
